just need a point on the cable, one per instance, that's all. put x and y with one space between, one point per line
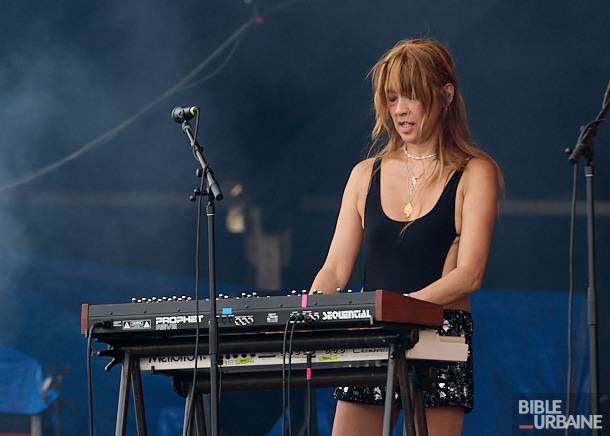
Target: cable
284 377
194 149
89 378
108 135
308 405
216 71
196 129
571 290
219 385
294 323
189 408
182 85
189 411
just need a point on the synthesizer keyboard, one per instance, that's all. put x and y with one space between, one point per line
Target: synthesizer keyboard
178 318
339 339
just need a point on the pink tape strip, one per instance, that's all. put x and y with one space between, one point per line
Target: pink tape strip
308 373
303 301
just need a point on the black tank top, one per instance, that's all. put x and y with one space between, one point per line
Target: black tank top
411 261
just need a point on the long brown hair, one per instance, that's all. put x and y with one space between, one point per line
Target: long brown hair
419 68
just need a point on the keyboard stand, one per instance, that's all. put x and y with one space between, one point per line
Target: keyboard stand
130 376
399 371
198 415
410 394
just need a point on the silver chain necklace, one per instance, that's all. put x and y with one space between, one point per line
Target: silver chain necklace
411 156
408 208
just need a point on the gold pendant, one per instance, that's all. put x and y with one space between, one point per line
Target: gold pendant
408 209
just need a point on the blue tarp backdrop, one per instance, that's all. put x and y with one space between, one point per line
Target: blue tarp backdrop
21 382
519 348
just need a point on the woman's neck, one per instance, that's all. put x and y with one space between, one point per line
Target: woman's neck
420 149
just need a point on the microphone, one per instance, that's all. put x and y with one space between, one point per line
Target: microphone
181 114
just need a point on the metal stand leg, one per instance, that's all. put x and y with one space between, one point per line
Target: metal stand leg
121 415
187 424
405 393
310 409
389 393
36 425
197 426
200 428
418 404
138 398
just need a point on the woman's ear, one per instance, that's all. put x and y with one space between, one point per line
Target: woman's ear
447 91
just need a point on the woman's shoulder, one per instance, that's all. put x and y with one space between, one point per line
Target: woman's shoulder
480 166
364 167
362 171
481 170
361 175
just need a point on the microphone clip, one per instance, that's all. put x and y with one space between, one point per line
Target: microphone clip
182 114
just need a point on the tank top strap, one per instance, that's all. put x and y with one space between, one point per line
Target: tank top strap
373 197
456 177
375 173
455 181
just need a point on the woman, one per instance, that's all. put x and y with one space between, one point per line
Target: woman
423 207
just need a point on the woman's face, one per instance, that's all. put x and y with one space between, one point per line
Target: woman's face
407 115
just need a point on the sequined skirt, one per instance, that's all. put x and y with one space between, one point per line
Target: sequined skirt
453 386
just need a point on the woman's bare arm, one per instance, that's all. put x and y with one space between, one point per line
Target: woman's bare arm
347 239
479 211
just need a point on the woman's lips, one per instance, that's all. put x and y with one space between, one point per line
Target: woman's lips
406 127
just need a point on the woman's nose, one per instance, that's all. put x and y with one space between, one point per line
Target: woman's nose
402 106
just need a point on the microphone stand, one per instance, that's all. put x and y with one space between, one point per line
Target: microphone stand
584 147
213 192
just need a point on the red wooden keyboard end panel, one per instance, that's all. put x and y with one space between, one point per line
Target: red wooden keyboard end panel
84 318
394 307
